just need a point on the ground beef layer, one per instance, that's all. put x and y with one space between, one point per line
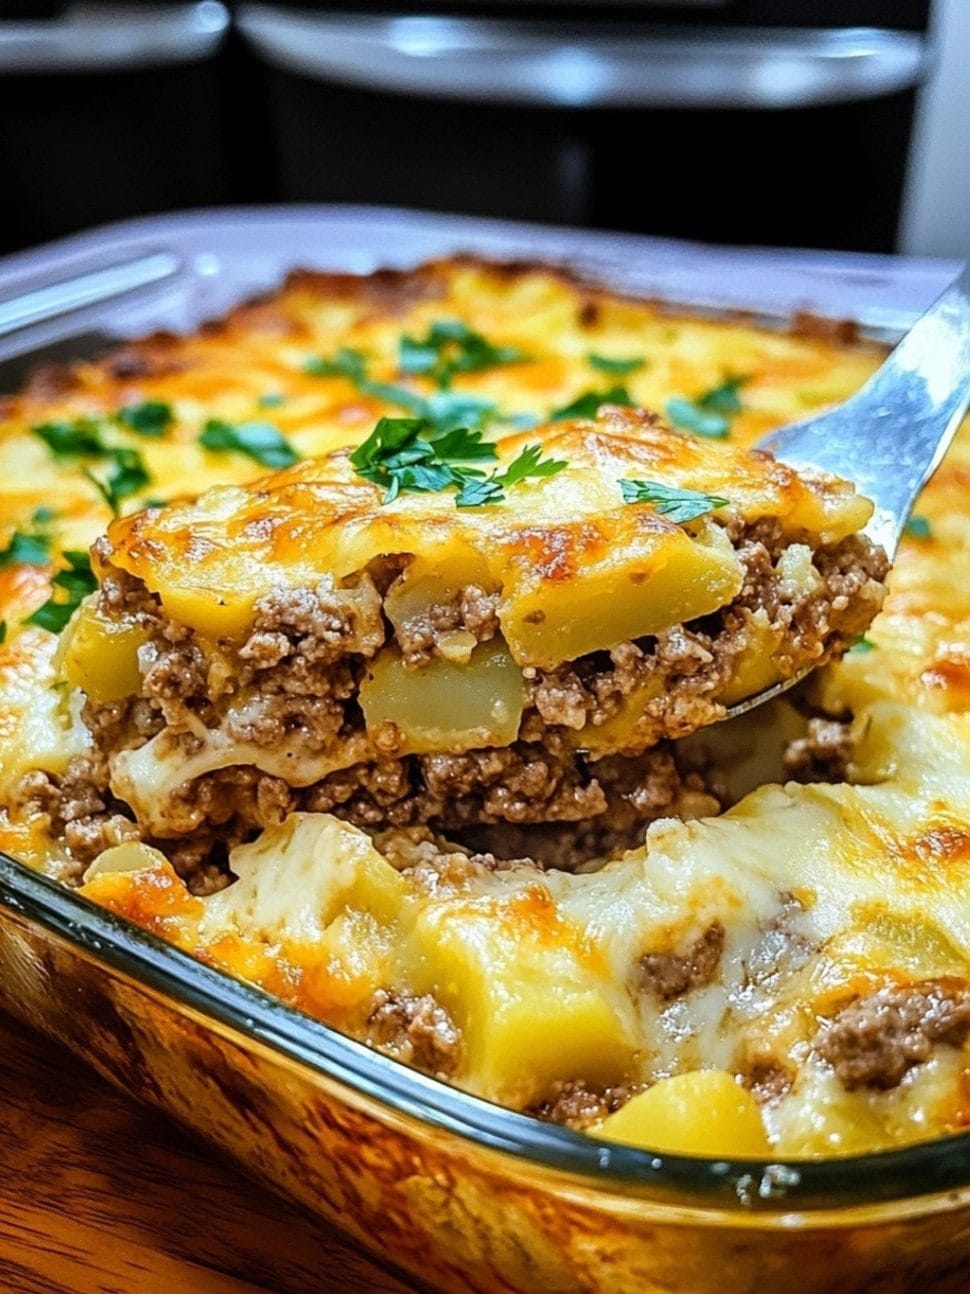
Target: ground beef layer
547 795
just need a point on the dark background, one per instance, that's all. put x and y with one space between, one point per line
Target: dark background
82 148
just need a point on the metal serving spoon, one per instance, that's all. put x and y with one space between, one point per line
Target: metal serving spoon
891 434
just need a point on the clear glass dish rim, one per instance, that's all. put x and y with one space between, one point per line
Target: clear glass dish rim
745 1187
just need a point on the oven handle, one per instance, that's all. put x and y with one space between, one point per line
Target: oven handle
558 65
104 38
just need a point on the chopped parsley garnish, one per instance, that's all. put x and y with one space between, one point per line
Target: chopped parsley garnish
271 400
530 463
589 403
71 586
78 439
258 440
3 631
443 411
863 644
83 438
723 398
619 367
416 356
150 418
31 547
26 549
476 492
918 527
677 505
450 347
520 421
461 443
710 414
400 395
404 455
126 475
346 362
446 410
688 415
395 457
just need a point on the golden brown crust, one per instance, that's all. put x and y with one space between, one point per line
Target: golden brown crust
388 291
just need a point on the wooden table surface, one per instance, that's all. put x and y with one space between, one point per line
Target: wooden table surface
101 1196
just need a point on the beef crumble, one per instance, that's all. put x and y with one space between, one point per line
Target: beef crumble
296 677
579 1105
823 754
81 813
669 975
438 629
416 1030
875 1040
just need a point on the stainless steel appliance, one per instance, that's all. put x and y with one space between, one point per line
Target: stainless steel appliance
731 120
747 121
109 110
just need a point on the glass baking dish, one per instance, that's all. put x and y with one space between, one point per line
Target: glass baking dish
457 1192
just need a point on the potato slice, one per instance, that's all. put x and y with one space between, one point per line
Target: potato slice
703 1113
655 577
446 706
100 656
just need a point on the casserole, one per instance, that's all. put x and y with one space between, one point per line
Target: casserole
496 1223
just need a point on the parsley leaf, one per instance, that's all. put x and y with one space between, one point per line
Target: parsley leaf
400 395
863 645
476 493
528 463
271 400
492 488
257 440
346 362
462 443
450 347
78 439
589 403
30 548
710 414
126 476
918 527
77 581
3 631
415 356
82 438
396 457
617 366
403 455
27 550
690 417
679 506
443 411
389 435
446 410
723 398
150 418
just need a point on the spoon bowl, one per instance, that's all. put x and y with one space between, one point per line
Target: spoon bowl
889 437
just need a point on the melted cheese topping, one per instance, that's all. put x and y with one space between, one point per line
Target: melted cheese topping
578 569
823 892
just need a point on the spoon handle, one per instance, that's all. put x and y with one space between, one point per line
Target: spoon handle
893 432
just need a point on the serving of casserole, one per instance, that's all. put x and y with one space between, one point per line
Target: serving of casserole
372 645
